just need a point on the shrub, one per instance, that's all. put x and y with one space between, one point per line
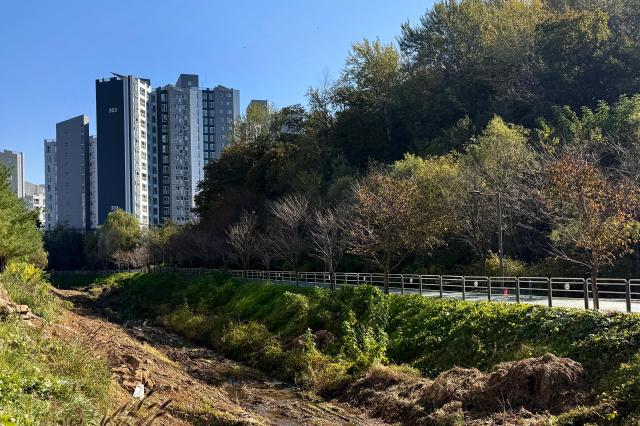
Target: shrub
28 285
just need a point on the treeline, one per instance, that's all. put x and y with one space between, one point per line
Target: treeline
407 152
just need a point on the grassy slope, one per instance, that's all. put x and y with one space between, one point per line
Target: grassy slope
43 380
256 322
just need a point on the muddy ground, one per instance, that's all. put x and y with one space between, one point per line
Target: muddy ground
202 386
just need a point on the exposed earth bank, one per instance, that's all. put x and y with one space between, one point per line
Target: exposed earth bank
202 387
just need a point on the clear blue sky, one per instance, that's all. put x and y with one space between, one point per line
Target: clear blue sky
52 51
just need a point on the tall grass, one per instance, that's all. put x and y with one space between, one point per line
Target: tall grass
44 381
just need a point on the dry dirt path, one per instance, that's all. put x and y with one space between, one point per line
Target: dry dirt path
201 385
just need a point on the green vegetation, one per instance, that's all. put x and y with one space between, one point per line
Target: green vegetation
28 285
19 237
44 381
324 339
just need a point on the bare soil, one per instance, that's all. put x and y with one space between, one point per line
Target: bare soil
203 387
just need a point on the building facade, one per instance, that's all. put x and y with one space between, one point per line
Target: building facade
123 127
220 107
34 196
93 182
50 183
73 207
176 156
14 161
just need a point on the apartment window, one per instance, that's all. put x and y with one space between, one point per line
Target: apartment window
165 211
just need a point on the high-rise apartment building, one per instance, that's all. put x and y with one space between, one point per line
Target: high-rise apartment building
177 149
34 196
123 124
93 182
220 107
73 190
14 161
50 183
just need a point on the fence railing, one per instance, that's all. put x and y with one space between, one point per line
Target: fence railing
616 294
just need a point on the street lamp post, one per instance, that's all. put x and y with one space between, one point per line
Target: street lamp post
500 248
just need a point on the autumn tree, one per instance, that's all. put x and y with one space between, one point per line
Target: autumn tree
264 247
241 237
393 217
329 235
290 220
593 215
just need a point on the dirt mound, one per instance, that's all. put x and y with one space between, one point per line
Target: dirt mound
388 393
545 383
457 384
536 385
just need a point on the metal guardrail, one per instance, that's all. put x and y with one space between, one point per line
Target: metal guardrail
614 293
617 294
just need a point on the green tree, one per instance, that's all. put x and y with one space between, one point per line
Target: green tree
19 237
120 232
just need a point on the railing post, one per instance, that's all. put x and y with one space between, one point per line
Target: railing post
401 284
550 291
441 289
585 287
489 289
627 290
464 288
518 290
420 285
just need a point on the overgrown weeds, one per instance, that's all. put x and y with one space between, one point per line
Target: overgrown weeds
45 381
324 340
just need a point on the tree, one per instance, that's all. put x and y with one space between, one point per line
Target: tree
259 125
159 238
393 218
120 231
329 234
289 229
19 236
264 247
371 73
593 216
241 237
499 161
65 247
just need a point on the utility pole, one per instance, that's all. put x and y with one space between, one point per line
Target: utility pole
500 248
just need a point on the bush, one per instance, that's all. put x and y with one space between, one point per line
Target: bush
28 285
